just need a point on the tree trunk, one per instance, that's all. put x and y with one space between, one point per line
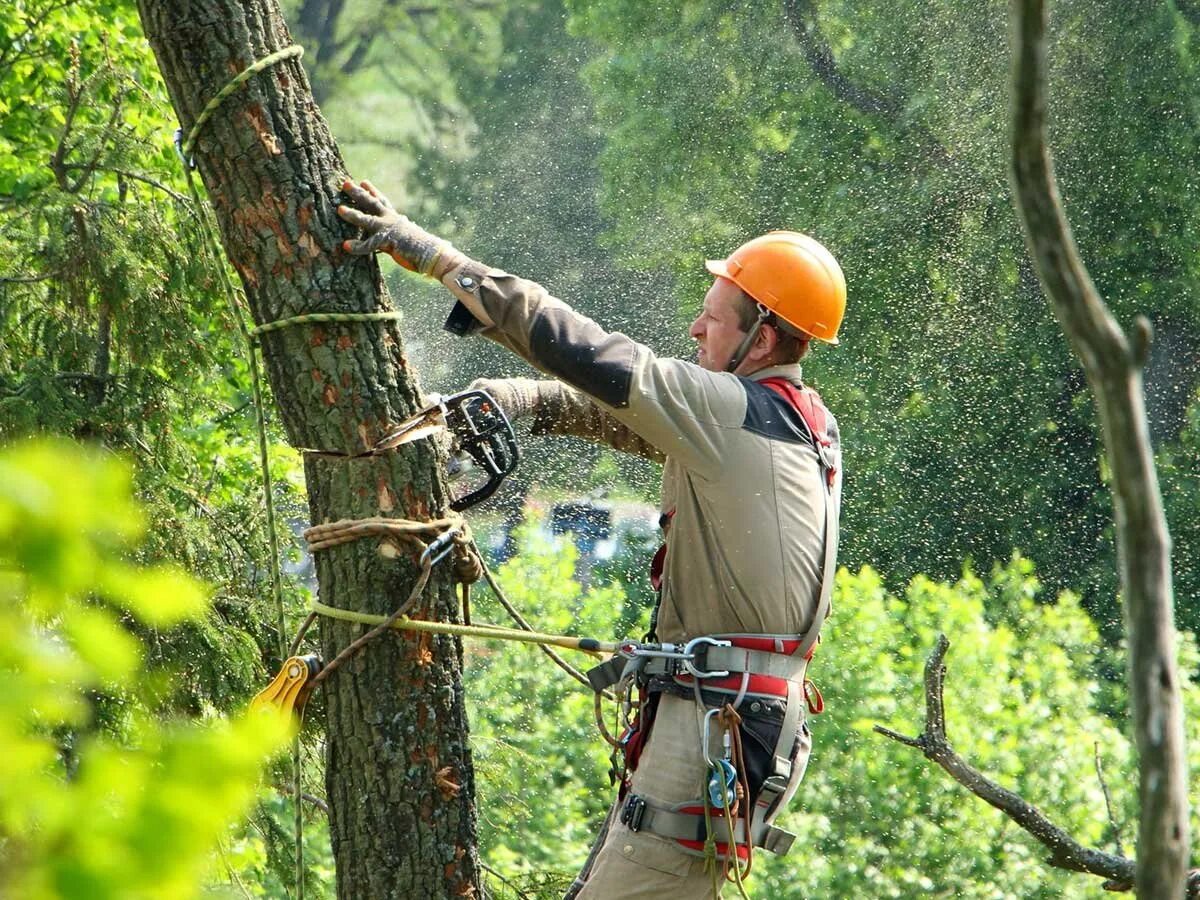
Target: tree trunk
1113 365
398 770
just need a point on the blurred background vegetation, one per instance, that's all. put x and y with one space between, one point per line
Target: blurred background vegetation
605 148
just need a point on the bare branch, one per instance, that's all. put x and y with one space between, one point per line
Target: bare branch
801 16
136 176
1112 363
288 791
521 895
1065 852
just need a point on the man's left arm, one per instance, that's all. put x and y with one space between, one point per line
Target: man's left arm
560 410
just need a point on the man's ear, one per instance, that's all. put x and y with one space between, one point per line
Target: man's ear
766 341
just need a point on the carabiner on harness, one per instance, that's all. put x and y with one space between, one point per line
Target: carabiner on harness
722 776
690 652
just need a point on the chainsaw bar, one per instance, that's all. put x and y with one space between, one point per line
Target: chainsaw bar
482 434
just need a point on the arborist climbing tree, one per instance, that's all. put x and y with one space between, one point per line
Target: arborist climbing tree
398 772
750 504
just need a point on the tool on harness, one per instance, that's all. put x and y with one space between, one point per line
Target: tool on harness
290 688
722 776
483 440
643 658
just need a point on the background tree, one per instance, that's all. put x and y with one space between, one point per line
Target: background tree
110 329
396 727
1113 361
882 131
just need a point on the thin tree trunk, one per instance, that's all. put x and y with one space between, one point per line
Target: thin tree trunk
1113 365
399 779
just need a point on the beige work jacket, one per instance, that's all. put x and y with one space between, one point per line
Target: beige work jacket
741 477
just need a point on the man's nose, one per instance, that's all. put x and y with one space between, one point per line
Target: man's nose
695 330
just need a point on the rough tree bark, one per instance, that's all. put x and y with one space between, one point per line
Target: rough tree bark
398 771
1113 364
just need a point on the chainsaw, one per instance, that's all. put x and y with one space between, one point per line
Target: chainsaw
482 441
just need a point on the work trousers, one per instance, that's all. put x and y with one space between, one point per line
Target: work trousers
630 865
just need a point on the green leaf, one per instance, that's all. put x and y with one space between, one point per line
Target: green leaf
111 652
158 595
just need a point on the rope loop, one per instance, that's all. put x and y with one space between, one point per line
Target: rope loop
451 537
321 317
186 146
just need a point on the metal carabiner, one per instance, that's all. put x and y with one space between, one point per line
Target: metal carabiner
439 548
708 717
721 773
657 651
689 656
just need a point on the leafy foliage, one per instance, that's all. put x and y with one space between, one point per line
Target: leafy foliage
102 815
112 324
883 131
874 818
538 757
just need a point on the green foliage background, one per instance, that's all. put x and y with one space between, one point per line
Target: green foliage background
605 148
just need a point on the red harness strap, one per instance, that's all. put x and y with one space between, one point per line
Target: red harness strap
807 403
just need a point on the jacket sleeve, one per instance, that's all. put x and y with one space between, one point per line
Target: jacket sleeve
684 411
565 411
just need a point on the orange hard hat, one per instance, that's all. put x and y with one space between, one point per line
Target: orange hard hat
794 277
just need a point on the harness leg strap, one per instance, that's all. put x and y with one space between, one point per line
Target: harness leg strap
774 787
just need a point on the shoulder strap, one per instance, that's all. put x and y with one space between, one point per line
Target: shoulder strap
807 404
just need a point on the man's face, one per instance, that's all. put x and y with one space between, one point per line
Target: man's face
716 329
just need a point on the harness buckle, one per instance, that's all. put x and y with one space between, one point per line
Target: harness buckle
632 812
689 657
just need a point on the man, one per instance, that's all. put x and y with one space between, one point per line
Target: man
750 501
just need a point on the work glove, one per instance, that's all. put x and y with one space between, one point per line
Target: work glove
518 397
385 230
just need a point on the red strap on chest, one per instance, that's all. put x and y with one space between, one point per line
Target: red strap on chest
807 403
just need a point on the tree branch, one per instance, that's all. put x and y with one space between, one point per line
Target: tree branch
801 16
1190 10
135 176
1112 363
1118 842
1065 852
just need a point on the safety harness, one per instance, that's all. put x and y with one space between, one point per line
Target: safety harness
761 676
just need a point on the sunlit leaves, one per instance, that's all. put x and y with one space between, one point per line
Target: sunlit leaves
84 814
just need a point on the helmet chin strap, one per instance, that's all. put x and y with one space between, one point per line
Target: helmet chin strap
748 341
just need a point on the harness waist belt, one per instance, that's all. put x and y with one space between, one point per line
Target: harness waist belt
747 656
